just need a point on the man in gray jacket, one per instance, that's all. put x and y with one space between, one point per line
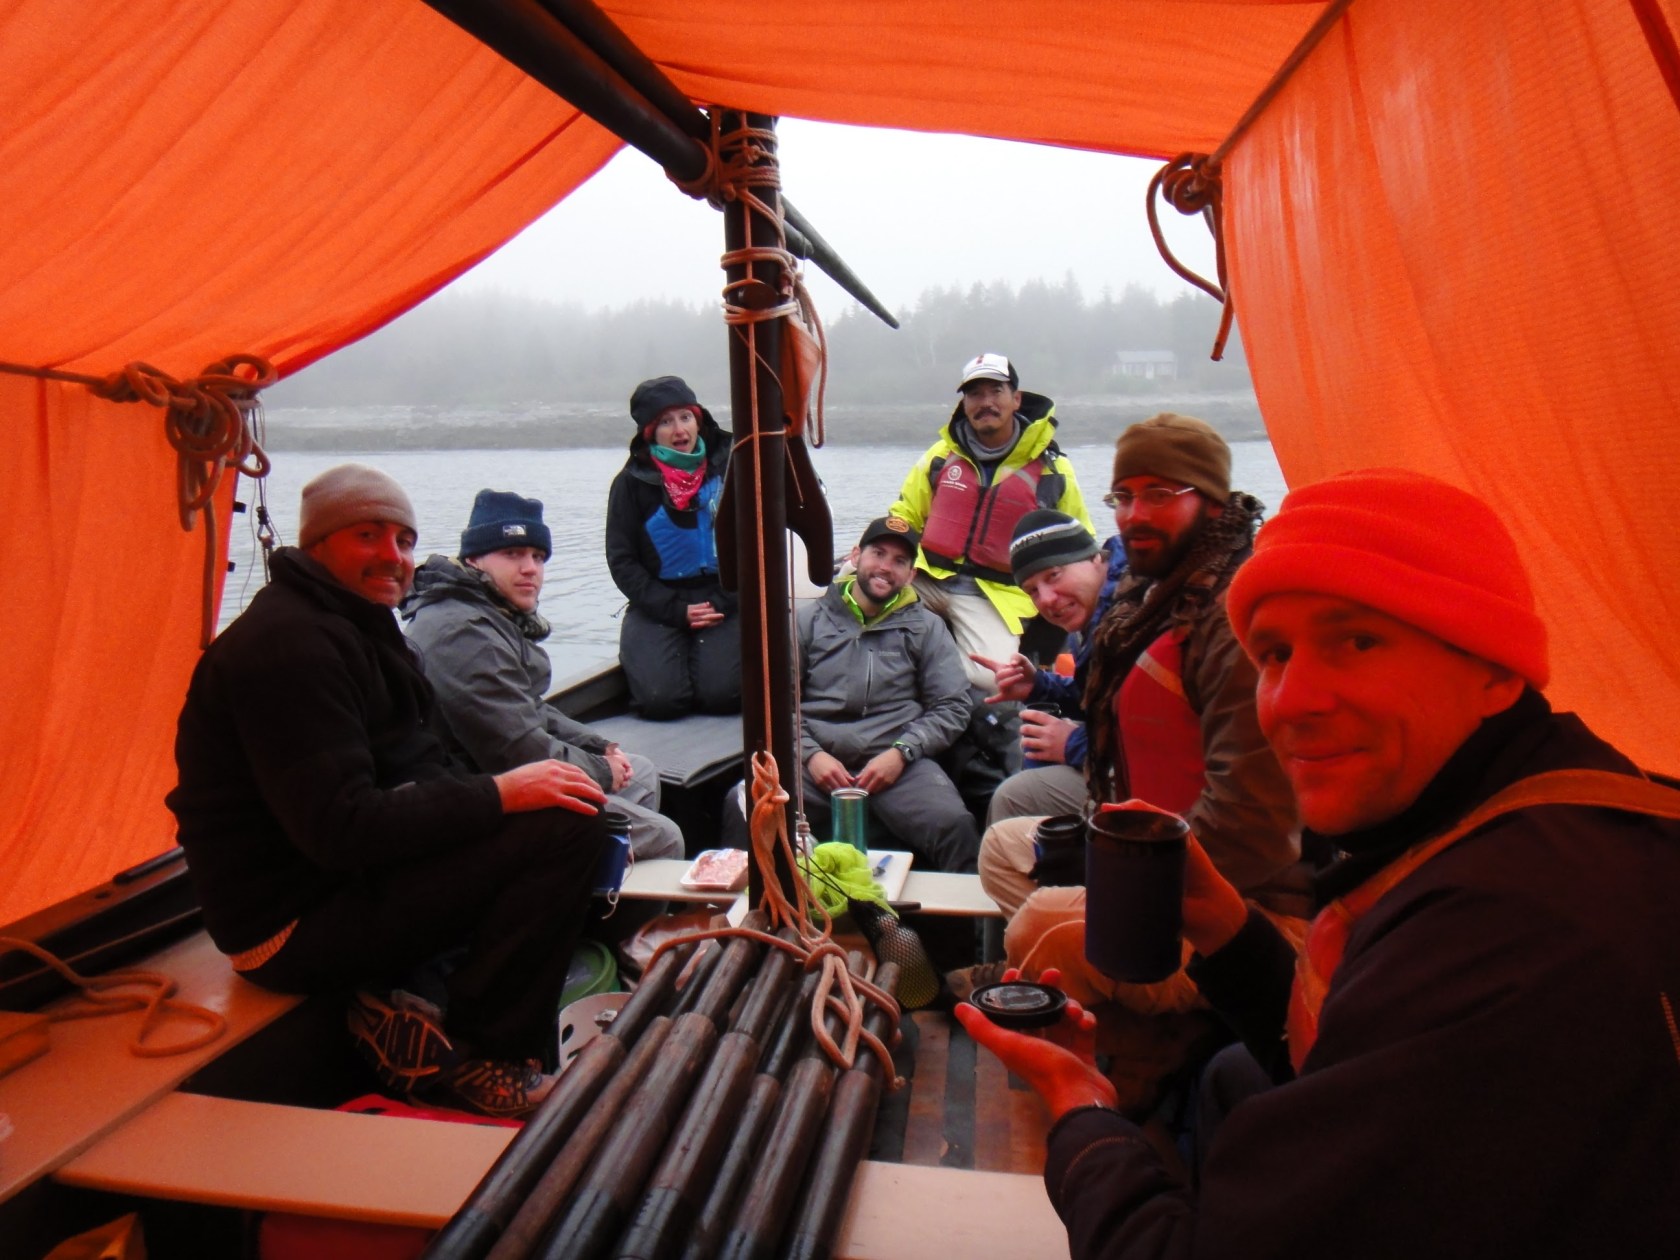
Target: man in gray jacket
476 623
883 693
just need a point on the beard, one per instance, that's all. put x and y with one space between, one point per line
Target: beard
1164 557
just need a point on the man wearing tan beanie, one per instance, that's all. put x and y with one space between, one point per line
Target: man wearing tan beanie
1169 705
336 845
1477 1053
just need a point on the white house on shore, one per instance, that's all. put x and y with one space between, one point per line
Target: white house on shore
1149 365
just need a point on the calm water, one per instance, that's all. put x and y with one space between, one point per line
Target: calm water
579 598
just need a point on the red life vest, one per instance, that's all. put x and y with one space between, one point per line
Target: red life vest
1327 939
1160 734
969 525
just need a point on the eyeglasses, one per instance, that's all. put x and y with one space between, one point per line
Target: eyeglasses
1152 497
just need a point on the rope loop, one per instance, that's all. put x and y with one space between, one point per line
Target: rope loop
1191 184
1191 181
210 421
98 995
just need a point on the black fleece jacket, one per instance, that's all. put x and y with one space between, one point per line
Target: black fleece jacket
637 492
1496 1074
308 752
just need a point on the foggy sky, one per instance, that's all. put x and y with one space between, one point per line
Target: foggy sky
906 210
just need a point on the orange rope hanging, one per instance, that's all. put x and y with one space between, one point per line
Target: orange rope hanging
208 421
1192 182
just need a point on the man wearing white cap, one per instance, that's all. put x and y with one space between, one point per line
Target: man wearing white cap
996 460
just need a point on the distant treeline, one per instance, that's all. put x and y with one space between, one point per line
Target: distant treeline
491 348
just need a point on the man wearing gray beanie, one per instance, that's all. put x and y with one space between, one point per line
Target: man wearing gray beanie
335 843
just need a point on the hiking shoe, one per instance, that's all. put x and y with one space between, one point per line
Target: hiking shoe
499 1088
402 1038
962 982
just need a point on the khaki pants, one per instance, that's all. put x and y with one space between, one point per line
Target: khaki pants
975 624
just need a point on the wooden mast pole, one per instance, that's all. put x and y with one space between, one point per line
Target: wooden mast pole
759 464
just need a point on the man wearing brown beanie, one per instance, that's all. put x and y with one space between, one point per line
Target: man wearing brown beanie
337 846
1477 1052
1169 704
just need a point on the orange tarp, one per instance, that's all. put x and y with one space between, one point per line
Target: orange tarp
1446 240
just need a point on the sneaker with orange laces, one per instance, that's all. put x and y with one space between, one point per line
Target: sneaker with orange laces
401 1038
500 1088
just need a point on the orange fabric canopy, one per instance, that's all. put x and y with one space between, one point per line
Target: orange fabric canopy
1448 239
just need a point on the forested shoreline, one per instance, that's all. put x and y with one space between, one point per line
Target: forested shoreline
492 369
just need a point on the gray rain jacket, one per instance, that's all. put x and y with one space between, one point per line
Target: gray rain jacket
490 679
865 687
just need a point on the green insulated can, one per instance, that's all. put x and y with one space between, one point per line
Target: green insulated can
850 807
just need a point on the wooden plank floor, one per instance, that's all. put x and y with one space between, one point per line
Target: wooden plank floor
959 1108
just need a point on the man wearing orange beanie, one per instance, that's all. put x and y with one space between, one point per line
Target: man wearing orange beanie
1477 1053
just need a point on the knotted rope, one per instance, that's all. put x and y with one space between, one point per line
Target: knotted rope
1192 183
209 421
839 992
98 996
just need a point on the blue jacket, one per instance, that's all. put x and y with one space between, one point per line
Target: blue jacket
663 558
1068 694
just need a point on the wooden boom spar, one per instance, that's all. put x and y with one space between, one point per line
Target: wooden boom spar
576 51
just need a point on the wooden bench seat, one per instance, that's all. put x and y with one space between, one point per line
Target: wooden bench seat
418 1172
88 1084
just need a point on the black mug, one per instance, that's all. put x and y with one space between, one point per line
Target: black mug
1059 846
1134 893
1049 710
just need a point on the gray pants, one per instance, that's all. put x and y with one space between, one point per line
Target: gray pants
922 812
652 835
672 670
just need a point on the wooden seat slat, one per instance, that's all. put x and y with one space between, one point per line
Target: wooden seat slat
87 1083
418 1172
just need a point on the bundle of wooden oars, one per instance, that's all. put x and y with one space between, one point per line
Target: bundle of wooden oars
706 1121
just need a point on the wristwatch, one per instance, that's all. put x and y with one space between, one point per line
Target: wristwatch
906 751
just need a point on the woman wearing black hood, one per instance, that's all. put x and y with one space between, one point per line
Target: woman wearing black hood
681 641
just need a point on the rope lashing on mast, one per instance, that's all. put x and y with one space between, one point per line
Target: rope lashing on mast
739 167
1192 183
210 421
735 179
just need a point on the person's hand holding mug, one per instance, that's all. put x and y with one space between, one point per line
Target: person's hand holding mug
1044 735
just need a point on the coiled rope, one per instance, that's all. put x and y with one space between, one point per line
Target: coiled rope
1192 183
210 421
98 995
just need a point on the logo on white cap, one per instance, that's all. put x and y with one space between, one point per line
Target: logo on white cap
985 367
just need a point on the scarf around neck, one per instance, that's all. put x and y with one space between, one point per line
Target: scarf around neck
1144 608
683 472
